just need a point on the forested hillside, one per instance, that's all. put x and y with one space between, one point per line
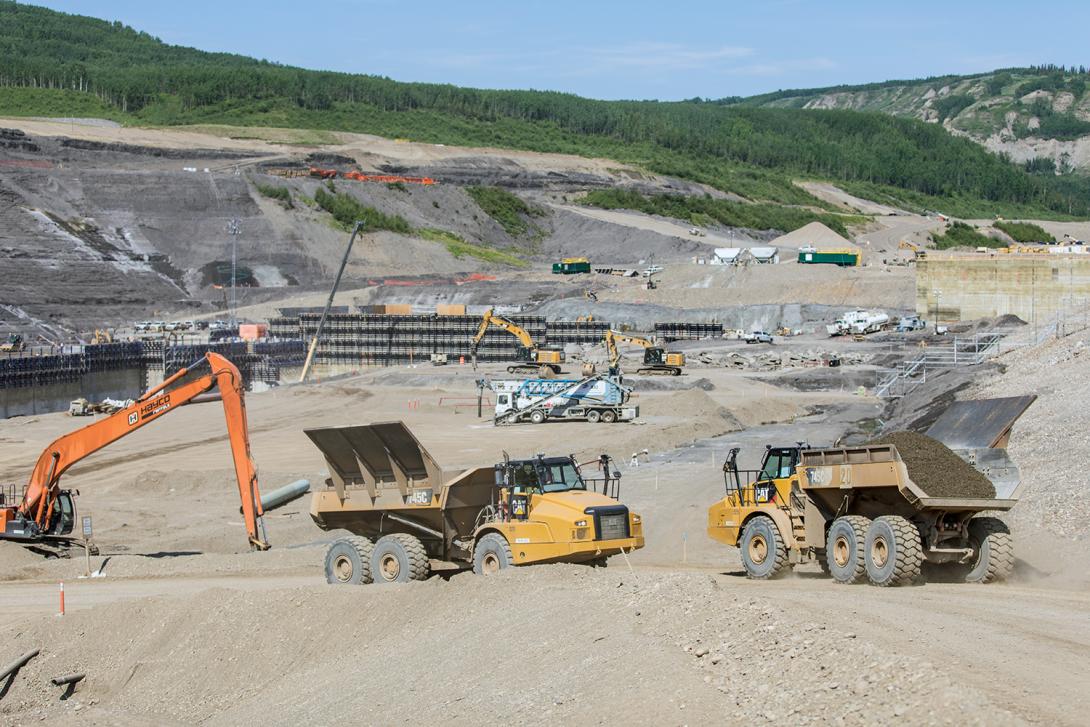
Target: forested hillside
1046 103
57 64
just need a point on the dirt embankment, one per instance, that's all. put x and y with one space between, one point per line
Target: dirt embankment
641 647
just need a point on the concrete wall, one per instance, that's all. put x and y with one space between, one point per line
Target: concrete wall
117 384
1032 287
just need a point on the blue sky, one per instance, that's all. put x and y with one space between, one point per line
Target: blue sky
634 49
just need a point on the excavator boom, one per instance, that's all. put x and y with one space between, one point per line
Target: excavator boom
36 511
491 319
656 359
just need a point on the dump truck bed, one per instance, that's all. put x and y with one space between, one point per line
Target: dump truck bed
830 472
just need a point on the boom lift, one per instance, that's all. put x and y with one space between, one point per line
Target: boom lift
47 513
541 361
656 360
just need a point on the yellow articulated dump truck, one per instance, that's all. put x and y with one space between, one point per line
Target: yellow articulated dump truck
408 519
878 512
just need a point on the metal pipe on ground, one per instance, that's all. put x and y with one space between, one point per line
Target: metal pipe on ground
283 495
18 663
69 681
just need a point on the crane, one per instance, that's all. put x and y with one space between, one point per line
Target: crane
542 361
656 360
47 513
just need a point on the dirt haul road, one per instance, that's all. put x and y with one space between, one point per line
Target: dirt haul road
683 645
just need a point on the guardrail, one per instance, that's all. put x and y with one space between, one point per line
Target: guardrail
961 352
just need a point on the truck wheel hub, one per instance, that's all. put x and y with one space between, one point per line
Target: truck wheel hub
841 553
758 549
879 552
490 564
390 567
342 568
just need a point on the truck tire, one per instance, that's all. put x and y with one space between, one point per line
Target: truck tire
399 558
348 561
491 555
893 551
991 538
537 416
763 552
594 416
844 548
609 416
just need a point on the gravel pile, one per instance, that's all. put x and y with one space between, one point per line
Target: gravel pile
936 469
1051 442
611 646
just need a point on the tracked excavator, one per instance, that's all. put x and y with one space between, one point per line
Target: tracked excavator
46 515
543 362
656 359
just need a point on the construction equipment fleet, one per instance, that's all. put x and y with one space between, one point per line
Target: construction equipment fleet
408 521
656 359
858 513
46 514
533 360
596 398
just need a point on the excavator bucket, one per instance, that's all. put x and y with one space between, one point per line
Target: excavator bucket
376 454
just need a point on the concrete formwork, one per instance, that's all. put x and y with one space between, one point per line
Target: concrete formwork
125 383
1032 287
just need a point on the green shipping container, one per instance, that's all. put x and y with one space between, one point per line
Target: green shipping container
571 268
843 259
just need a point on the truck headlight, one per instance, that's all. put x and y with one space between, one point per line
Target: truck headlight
636 519
580 523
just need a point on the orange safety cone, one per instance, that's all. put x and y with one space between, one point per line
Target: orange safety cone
62 599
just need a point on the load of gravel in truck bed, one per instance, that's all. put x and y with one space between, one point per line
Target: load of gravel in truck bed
936 469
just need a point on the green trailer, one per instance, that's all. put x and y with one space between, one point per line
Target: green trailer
571 266
844 257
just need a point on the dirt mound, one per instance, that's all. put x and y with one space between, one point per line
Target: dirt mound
935 468
815 234
647 648
691 404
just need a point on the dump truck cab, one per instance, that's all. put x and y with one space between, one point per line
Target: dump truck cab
750 493
409 519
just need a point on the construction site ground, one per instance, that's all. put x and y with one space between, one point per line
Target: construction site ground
186 626
107 225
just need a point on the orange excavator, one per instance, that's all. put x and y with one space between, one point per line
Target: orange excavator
47 514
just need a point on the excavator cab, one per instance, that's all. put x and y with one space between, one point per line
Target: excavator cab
659 356
60 523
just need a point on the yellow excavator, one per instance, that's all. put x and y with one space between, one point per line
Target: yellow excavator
918 253
532 360
656 359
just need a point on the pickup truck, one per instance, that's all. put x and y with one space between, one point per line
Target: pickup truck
758 337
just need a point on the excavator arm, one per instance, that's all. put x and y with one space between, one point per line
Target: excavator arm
491 319
41 495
